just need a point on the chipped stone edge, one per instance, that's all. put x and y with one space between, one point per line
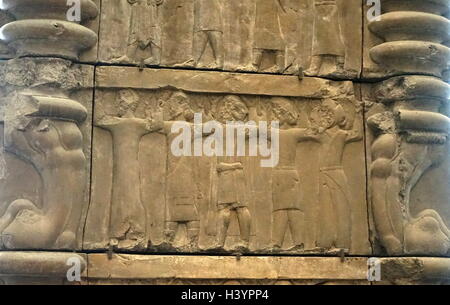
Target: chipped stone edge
214 82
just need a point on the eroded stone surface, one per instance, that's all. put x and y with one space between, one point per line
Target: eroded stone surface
410 37
320 37
144 198
5 51
407 141
45 149
94 269
246 269
161 202
51 29
42 268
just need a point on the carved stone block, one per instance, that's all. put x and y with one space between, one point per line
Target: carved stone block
204 270
45 153
410 37
41 268
268 130
408 165
50 28
146 198
276 36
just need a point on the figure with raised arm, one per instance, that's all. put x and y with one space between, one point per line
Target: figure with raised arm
288 212
127 228
335 209
231 187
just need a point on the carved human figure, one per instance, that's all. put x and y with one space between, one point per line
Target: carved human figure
327 43
231 187
177 20
144 40
181 189
268 38
44 131
238 16
208 29
287 206
127 227
335 224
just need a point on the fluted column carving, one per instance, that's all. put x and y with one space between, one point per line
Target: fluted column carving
412 133
43 121
41 28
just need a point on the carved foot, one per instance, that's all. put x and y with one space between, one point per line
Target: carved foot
254 68
151 62
297 248
274 69
313 71
121 60
275 247
241 247
187 64
392 245
216 248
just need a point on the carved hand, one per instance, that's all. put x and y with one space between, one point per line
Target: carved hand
156 123
319 130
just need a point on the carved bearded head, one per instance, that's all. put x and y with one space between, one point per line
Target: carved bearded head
128 103
284 111
233 109
178 108
329 114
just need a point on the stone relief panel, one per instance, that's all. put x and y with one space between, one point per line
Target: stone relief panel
319 37
45 152
407 155
145 197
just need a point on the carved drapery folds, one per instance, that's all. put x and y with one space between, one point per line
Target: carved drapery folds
411 135
44 125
